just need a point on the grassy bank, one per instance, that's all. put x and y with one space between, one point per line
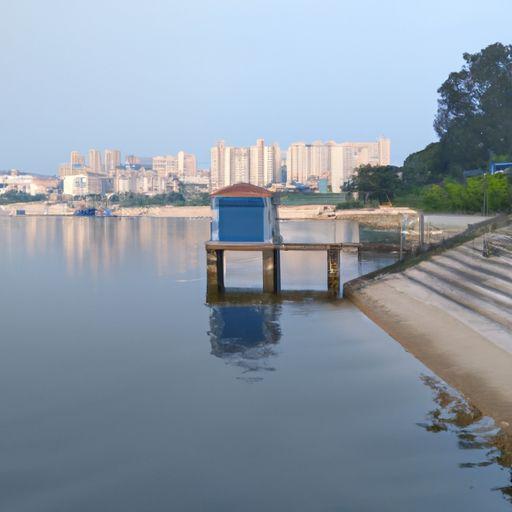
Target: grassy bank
308 199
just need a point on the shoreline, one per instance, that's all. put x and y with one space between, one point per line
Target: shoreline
384 217
452 311
464 359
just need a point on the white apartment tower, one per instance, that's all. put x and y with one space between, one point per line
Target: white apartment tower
76 158
187 165
94 160
217 165
165 165
259 164
112 160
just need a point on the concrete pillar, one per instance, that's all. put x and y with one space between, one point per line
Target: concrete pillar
214 270
333 271
271 270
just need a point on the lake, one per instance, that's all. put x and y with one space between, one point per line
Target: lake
125 388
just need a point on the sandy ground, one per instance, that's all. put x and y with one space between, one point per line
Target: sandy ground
386 217
454 313
166 211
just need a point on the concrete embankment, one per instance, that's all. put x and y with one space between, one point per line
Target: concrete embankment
452 309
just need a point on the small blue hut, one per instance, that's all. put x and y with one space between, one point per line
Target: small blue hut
244 213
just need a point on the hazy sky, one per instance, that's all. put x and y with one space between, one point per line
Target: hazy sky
156 76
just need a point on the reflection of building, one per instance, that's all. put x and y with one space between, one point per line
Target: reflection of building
245 335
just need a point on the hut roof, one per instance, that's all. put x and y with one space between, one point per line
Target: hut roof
242 190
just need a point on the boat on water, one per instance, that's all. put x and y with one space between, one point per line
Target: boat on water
85 212
94 212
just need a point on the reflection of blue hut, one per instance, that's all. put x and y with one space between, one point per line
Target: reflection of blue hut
244 213
238 329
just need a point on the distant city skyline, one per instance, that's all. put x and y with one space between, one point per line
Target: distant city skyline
201 72
263 164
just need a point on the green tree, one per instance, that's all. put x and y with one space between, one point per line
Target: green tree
499 193
14 196
474 195
474 116
456 195
435 198
423 167
375 182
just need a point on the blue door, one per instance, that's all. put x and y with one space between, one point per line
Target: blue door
241 219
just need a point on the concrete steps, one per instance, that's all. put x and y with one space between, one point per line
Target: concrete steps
475 289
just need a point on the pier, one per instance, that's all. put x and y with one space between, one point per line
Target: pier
271 259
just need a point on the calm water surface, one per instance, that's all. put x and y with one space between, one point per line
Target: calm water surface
124 388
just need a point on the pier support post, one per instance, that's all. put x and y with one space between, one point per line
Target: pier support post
214 270
333 271
271 270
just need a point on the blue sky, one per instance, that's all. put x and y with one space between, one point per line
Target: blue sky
157 76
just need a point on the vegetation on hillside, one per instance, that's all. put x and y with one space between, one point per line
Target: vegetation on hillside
20 197
474 125
299 199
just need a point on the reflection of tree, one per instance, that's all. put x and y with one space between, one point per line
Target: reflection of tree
473 430
245 336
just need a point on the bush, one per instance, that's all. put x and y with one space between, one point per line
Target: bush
20 197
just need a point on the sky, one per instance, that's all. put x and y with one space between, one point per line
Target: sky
153 77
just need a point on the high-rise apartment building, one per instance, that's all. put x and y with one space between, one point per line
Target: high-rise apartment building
112 160
217 166
336 161
132 160
76 165
165 165
187 165
77 158
94 161
258 164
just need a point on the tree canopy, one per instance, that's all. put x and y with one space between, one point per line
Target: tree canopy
474 124
375 182
474 116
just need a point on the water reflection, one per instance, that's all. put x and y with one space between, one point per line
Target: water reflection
244 335
99 245
474 431
245 329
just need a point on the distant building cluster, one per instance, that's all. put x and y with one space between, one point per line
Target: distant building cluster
259 165
103 173
317 166
16 181
334 161
319 162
